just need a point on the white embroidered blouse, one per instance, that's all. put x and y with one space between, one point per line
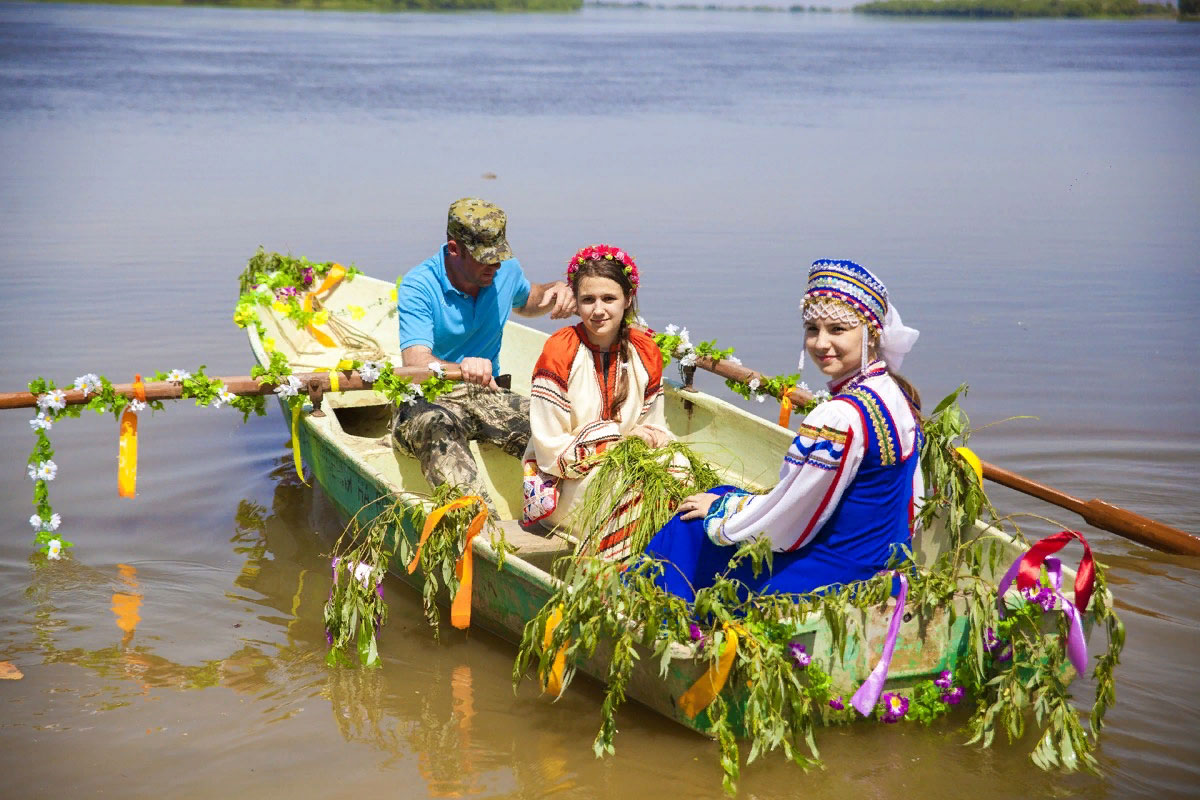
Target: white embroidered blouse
820 464
570 413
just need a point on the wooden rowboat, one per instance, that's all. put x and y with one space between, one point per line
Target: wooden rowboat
349 452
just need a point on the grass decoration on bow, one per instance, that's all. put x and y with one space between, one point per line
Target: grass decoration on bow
777 692
279 282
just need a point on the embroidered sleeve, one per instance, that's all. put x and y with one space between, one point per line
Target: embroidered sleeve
820 463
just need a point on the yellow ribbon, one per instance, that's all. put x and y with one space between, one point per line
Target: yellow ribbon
334 385
554 681
709 685
127 444
296 443
973 462
332 279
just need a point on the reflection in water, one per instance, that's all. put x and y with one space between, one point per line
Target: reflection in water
126 605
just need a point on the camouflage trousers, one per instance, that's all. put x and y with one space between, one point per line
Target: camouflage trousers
436 434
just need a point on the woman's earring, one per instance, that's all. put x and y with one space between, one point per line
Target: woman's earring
863 366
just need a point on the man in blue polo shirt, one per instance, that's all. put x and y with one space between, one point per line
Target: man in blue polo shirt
452 310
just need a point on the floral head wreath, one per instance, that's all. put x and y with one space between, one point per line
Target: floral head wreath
605 252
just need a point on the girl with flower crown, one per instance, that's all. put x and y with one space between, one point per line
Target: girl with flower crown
595 383
845 501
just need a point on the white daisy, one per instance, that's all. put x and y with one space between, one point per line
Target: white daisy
44 471
370 371
54 400
88 384
41 422
437 369
136 405
290 388
754 384
52 523
733 359
224 397
671 330
178 375
689 359
54 550
36 522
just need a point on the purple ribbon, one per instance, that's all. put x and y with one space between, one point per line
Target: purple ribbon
867 696
1076 646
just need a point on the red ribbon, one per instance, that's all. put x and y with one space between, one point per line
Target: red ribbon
1029 573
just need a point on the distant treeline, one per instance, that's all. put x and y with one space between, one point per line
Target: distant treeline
1018 8
658 6
367 5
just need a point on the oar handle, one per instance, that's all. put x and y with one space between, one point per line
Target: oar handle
241 385
1100 514
1096 513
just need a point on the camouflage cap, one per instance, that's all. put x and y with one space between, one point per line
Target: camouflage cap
480 227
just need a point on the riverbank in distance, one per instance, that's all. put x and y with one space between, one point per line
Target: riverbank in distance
976 9
359 5
1000 9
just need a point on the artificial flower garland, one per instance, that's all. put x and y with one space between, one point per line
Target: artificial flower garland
605 252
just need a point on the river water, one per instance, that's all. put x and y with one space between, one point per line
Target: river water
1027 190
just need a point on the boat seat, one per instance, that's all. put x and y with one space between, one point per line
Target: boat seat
539 550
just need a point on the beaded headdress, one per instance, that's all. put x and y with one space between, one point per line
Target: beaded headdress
848 293
603 252
850 284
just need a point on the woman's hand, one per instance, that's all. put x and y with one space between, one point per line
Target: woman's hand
696 506
651 436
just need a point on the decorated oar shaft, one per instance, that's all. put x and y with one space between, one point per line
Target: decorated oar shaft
741 374
1095 512
241 385
1100 514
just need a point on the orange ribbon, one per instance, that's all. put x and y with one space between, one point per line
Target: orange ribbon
464 569
785 408
460 607
554 681
127 444
709 685
332 279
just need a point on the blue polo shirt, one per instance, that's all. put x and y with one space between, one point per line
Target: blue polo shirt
451 323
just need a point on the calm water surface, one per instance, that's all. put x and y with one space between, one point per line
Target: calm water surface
1027 190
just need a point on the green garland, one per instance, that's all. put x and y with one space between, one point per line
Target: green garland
103 398
675 343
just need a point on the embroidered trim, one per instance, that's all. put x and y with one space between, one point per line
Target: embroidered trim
812 523
551 375
881 422
551 395
824 432
587 442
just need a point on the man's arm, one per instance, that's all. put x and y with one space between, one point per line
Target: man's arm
474 370
555 297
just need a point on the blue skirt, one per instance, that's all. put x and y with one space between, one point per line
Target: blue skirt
694 562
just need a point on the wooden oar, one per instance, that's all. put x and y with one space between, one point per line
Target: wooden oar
1095 512
315 383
